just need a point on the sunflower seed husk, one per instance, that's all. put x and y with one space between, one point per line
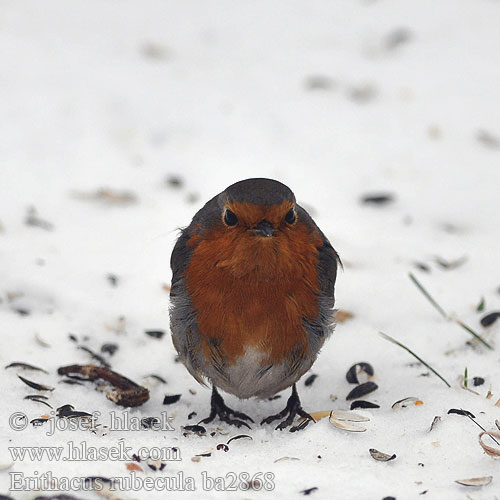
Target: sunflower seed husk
39 400
26 366
381 457
465 413
362 390
310 380
240 436
346 426
435 422
363 404
282 459
475 481
34 385
318 415
490 318
404 403
349 416
364 369
40 341
492 452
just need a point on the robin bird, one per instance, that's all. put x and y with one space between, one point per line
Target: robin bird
252 296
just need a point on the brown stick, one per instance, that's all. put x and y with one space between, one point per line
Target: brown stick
127 392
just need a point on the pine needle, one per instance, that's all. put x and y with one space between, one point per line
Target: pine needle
441 311
481 427
394 341
428 295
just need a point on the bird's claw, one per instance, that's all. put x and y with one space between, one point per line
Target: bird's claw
221 410
292 409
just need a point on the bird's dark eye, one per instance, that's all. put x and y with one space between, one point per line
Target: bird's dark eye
290 216
230 218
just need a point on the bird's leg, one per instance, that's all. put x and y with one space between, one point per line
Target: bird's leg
219 409
292 409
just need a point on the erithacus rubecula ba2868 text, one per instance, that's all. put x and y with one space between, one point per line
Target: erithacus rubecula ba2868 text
252 296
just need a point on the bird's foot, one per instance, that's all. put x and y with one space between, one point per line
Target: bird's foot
220 409
292 409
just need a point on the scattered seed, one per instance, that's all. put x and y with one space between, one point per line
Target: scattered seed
109 348
342 316
149 422
156 334
38 399
477 381
362 93
37 422
40 341
362 390
435 422
174 181
112 278
310 380
155 464
223 447
492 452
26 366
283 459
465 413
32 219
309 490
107 195
132 466
475 481
341 419
157 377
377 199
34 385
490 318
398 37
70 382
68 411
240 436
381 457
196 429
363 404
423 267
73 337
319 82
171 399
365 369
452 264
318 415
97 479
195 459
404 403
488 139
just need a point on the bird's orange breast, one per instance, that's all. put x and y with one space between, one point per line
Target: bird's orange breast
252 292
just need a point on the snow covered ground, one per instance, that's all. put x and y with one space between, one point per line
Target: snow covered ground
121 118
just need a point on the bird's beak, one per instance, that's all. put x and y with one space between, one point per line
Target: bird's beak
263 228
